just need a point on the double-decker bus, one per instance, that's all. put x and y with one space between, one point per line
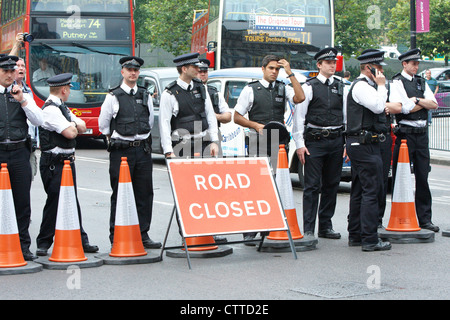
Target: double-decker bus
239 33
84 37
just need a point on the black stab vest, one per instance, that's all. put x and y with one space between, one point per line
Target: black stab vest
52 139
268 105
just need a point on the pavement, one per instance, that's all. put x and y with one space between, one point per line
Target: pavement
440 157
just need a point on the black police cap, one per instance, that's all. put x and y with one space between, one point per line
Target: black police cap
185 59
326 54
131 62
411 55
372 56
63 79
204 64
8 62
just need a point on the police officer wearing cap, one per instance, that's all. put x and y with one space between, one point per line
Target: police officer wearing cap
126 119
220 106
187 120
265 101
318 132
57 136
412 126
366 122
15 147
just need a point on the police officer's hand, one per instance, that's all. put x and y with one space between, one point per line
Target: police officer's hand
17 93
214 149
285 64
379 79
301 154
259 128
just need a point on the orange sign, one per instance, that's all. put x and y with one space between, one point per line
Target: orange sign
227 195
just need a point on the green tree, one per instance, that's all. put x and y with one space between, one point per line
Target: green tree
433 43
167 24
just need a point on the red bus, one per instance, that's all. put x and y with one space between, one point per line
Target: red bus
84 37
239 33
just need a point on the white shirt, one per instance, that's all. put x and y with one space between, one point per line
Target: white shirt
55 121
301 110
109 110
407 105
168 107
32 111
245 101
373 99
43 74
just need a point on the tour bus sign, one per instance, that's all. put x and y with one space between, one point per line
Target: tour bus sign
81 28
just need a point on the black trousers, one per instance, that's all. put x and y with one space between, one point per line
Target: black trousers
18 164
141 172
386 157
322 172
51 174
419 156
367 172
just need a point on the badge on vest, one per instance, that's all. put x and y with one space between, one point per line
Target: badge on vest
279 99
334 90
139 101
197 95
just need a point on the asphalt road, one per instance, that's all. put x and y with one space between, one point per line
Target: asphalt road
332 271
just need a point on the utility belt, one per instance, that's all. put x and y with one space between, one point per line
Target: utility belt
314 134
116 144
51 159
367 137
11 146
403 129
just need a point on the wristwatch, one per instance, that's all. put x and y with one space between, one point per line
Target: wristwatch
417 100
291 75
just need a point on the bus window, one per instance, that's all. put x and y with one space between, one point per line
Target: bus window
83 5
232 91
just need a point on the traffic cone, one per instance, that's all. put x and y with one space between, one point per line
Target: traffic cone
127 234
403 209
68 246
10 249
283 181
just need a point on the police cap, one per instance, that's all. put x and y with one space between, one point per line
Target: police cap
372 56
411 55
8 62
185 59
204 64
326 54
63 79
131 62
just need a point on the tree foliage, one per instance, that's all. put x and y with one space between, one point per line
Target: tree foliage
433 43
167 24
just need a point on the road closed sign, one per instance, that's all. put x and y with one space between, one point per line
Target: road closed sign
227 195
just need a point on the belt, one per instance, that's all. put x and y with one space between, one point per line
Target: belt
317 133
12 146
366 137
123 144
58 157
409 129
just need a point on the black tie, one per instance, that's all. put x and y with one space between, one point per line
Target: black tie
270 86
327 82
189 88
131 92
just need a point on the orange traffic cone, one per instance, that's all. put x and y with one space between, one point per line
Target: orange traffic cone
283 181
68 246
403 210
127 234
10 250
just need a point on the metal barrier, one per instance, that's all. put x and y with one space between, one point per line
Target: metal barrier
439 130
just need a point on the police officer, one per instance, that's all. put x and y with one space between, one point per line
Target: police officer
318 132
220 106
412 126
57 136
366 121
15 109
265 101
126 119
187 123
